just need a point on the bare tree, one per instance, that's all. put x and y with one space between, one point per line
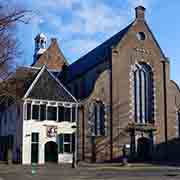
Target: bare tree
9 52
10 16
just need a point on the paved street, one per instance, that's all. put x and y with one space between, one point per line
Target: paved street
57 172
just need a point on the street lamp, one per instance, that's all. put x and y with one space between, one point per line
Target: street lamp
74 158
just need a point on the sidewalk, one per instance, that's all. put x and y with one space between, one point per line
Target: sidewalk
129 166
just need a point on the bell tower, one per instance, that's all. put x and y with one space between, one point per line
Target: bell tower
40 46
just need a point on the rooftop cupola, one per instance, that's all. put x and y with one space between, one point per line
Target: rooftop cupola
40 45
140 12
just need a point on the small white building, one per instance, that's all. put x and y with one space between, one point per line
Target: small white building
38 124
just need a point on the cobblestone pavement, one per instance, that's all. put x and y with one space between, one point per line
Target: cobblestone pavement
103 172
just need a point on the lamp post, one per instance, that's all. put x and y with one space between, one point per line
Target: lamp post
74 158
75 129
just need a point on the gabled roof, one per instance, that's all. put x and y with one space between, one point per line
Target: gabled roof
35 83
96 56
47 87
52 57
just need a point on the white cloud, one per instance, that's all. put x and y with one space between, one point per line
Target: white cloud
86 19
80 46
101 18
60 4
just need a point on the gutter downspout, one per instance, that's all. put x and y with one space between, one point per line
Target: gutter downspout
111 104
83 133
165 107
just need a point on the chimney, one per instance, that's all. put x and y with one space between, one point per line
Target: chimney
53 40
140 12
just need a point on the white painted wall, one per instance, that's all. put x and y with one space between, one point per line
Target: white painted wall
40 127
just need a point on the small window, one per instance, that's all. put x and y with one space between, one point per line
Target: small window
35 112
67 138
42 43
60 113
66 143
67 148
73 114
42 112
141 36
28 111
35 137
52 113
67 114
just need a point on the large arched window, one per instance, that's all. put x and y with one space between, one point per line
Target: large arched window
97 118
143 93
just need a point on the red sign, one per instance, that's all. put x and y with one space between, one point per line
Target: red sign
51 131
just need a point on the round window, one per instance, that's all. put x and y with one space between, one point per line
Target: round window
141 36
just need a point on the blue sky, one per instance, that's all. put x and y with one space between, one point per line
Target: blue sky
80 25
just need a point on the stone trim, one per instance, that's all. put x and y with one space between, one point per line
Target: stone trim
131 91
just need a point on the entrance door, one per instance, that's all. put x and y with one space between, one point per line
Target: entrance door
51 152
34 147
144 148
34 153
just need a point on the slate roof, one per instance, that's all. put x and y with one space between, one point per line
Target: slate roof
48 87
94 57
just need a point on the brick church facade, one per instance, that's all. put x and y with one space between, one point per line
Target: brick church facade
125 97
130 75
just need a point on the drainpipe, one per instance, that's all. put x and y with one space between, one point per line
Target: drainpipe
111 104
76 128
165 107
83 133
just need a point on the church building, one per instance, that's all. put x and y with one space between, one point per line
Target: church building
117 98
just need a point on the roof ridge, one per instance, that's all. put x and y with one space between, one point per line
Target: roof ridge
59 82
95 56
107 40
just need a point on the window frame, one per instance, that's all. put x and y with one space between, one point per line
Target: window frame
39 110
143 92
99 119
32 111
55 113
65 143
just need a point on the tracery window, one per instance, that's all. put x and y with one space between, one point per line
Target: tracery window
143 93
97 118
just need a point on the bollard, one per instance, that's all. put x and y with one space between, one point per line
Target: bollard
124 159
73 161
34 168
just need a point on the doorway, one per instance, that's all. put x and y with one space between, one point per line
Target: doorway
51 152
144 149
